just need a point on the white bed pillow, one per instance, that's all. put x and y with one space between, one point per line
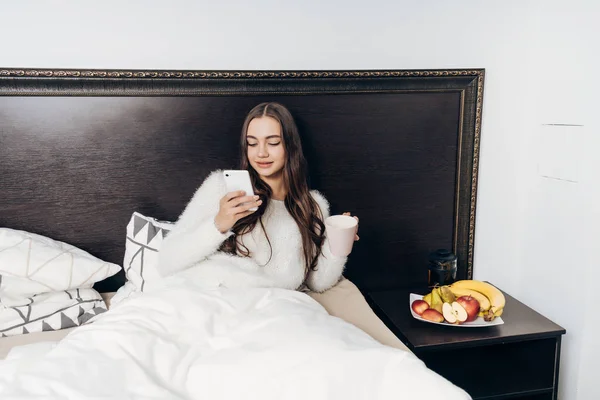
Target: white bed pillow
31 264
50 312
144 239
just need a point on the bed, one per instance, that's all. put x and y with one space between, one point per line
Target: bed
86 152
343 301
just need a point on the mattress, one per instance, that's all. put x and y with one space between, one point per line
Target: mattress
343 301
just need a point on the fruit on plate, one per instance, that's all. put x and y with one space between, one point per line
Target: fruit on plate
427 298
471 306
454 313
436 300
432 315
419 306
475 298
495 296
489 315
484 303
446 294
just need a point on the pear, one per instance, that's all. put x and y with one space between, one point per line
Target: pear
427 298
436 300
447 295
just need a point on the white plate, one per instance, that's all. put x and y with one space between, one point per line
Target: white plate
478 323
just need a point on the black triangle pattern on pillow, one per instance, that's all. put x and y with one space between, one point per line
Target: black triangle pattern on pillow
90 314
152 231
66 322
141 245
98 310
85 317
138 224
72 315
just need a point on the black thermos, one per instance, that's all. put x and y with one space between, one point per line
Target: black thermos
442 268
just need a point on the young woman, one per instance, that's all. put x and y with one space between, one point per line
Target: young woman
285 238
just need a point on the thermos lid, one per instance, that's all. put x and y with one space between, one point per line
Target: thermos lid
442 256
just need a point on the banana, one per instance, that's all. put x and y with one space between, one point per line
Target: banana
484 302
488 313
495 296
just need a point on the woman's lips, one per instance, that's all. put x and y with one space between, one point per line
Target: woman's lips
264 164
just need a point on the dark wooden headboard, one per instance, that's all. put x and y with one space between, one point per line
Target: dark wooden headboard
81 150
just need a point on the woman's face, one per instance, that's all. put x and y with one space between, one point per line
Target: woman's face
265 147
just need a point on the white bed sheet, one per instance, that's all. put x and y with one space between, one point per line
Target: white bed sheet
343 301
186 340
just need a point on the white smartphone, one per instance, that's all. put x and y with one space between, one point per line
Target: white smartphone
236 179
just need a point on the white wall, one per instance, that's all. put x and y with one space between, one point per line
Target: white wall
560 218
532 232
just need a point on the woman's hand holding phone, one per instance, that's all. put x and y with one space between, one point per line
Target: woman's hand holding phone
233 207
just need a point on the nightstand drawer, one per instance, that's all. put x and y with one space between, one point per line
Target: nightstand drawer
525 367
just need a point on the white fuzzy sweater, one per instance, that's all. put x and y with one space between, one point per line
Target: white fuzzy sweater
195 239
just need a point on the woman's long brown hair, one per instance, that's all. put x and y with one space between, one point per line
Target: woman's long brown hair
298 200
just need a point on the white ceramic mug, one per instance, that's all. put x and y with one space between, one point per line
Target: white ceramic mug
340 230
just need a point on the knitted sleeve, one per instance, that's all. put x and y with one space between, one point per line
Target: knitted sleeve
195 236
329 267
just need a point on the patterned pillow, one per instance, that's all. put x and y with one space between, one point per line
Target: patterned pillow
50 312
144 238
31 264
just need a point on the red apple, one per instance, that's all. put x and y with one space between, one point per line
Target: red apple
419 306
432 315
471 306
454 313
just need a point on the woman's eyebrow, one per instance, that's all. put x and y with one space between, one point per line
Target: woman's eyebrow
268 137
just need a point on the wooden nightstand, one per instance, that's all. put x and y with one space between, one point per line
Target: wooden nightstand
516 360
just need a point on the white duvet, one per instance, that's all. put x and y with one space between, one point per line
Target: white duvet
189 339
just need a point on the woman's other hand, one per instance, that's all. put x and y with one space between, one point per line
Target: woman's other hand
356 238
232 209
